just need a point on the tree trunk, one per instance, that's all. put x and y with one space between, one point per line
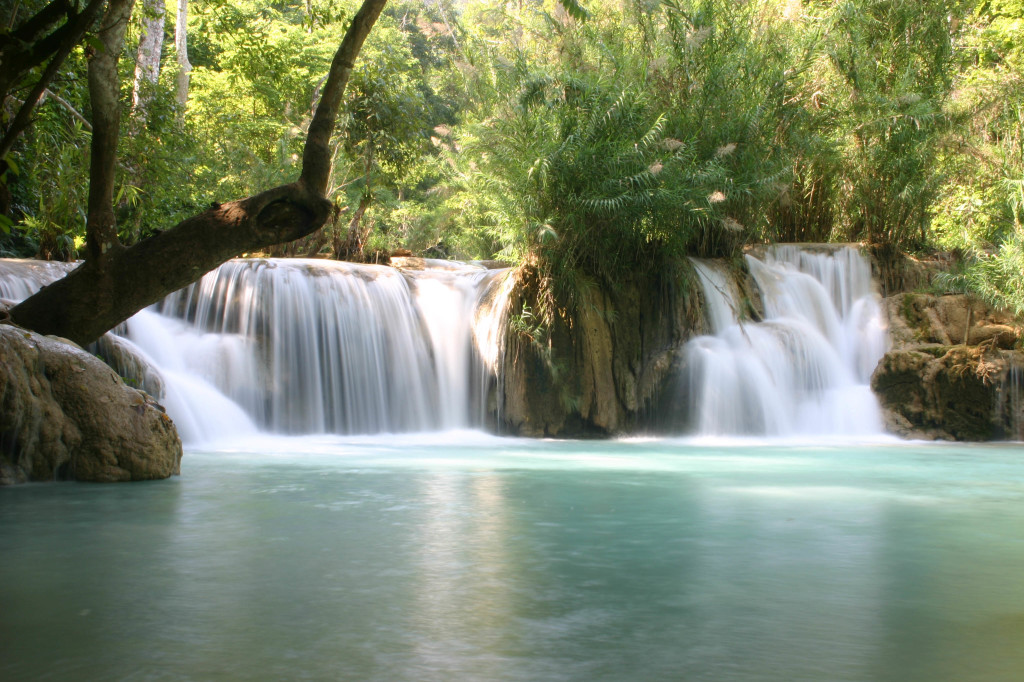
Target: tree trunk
317 241
147 62
100 294
316 155
184 66
352 247
105 291
104 96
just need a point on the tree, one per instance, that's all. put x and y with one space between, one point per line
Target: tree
147 63
116 281
181 48
40 39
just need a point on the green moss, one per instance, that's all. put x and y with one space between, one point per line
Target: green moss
935 351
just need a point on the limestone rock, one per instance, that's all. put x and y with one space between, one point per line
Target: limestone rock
934 385
916 319
601 369
64 414
410 262
131 365
951 392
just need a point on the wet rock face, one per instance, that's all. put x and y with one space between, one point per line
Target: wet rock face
64 414
952 393
933 385
600 370
124 358
916 319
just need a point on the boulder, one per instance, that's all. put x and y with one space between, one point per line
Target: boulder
125 358
951 393
64 414
953 371
916 319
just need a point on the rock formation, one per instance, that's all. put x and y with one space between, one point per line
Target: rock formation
133 368
64 414
600 368
954 371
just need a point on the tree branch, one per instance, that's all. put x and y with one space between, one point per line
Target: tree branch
26 47
100 294
316 156
71 33
67 105
30 30
50 94
103 292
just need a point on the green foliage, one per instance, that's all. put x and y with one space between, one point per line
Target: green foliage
53 214
981 206
661 133
890 80
734 85
256 78
528 325
586 138
997 278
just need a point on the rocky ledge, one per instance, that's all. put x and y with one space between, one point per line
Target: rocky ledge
65 415
955 371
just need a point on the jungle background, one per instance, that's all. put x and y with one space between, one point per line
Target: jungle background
586 139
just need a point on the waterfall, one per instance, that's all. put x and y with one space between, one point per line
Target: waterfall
720 295
1010 400
805 369
297 346
312 346
20 278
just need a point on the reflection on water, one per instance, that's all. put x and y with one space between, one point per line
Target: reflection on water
493 559
463 571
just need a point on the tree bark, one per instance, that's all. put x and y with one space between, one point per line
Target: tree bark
184 66
147 61
100 294
104 96
103 292
316 156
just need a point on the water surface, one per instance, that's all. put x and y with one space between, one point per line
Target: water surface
467 557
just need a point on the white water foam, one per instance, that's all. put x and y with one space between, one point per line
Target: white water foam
805 369
321 347
293 346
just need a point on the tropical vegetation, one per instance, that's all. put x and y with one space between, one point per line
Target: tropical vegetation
585 138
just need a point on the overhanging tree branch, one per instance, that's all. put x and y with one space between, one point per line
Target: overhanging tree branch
316 155
105 291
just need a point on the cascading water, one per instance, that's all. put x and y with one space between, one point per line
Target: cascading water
19 278
805 369
1010 399
312 346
